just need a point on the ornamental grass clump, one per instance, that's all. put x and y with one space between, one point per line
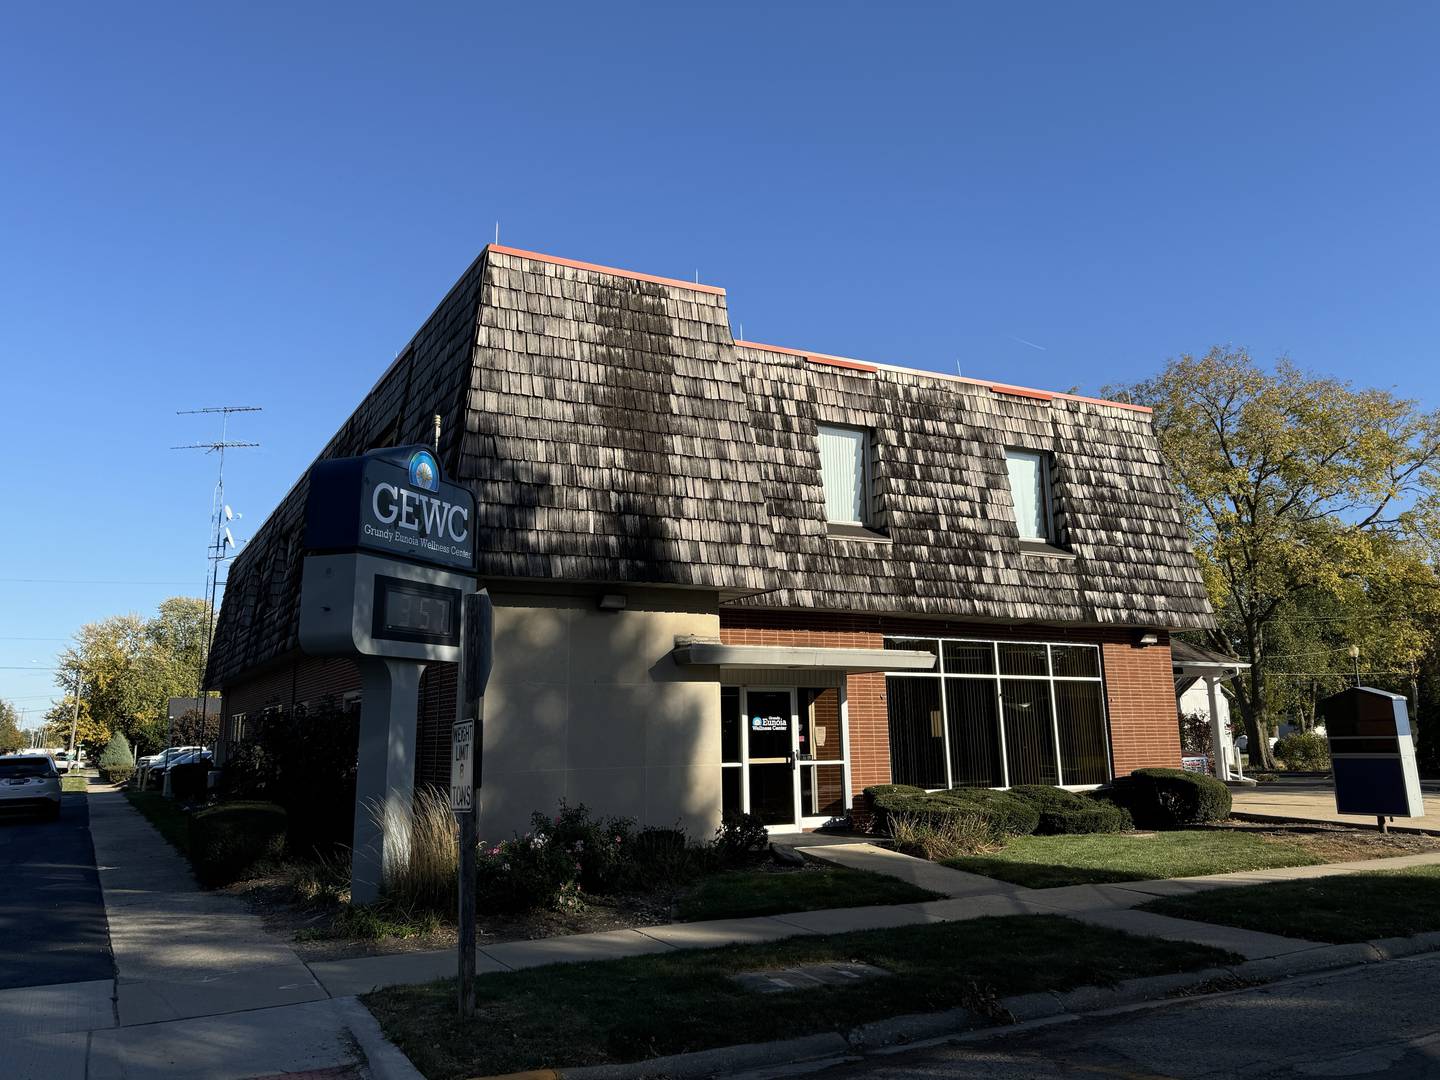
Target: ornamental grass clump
426 876
945 837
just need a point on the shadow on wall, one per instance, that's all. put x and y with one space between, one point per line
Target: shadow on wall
588 705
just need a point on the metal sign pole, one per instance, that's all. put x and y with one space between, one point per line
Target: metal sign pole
467 741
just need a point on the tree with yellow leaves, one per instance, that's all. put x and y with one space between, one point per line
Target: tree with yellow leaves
1304 493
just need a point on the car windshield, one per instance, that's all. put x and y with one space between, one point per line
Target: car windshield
25 767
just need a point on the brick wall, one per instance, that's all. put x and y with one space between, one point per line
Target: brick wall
1139 684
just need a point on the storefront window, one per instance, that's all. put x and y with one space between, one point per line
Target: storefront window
997 714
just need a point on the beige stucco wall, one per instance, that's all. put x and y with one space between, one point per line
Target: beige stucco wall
587 705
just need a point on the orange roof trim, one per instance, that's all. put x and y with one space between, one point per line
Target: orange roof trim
998 388
520 253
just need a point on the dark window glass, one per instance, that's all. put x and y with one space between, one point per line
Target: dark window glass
730 791
917 738
1029 735
769 724
730 723
974 714
1081 709
1023 660
772 793
913 645
1076 661
969 658
822 791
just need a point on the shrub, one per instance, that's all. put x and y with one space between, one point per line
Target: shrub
604 849
189 783
1094 817
1303 751
526 872
740 839
1065 812
962 832
663 855
1009 815
226 840
303 760
117 760
1167 798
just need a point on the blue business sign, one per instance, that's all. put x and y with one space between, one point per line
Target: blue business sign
395 502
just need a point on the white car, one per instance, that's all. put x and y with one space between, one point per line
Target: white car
153 761
30 782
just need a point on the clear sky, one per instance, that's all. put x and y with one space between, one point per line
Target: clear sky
208 204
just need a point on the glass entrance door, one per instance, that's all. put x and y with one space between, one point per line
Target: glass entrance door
783 754
770 735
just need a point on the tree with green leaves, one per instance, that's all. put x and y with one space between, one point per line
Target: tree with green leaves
11 737
1304 493
129 667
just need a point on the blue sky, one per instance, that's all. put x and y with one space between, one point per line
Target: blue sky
255 204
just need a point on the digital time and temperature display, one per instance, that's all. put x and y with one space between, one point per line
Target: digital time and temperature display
415 611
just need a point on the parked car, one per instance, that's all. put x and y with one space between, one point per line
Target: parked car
30 782
152 760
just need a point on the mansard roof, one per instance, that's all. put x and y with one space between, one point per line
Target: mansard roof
614 432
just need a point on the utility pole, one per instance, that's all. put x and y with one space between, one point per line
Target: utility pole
74 717
220 541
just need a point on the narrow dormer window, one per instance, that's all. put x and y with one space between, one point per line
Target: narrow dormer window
1030 490
845 468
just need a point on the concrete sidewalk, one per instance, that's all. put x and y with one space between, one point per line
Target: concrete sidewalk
1311 799
202 989
972 896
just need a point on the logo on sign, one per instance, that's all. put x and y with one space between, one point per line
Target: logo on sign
769 723
424 473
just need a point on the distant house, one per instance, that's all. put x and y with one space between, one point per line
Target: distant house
735 576
1201 676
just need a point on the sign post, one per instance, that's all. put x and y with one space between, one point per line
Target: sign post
389 557
466 741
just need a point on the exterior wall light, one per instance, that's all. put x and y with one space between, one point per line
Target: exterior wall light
612 601
1148 637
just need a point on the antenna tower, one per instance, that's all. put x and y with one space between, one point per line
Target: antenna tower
221 539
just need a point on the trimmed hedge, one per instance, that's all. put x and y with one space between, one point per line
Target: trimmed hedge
1009 815
226 840
1303 751
1169 798
1068 812
189 783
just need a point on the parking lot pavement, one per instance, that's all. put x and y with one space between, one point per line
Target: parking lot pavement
52 916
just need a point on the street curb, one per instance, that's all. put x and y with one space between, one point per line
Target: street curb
386 1061
885 1035
722 1060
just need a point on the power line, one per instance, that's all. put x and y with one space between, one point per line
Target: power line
85 581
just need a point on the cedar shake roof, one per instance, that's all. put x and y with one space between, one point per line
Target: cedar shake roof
613 432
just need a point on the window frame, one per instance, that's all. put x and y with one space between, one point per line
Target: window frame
1045 474
998 678
867 473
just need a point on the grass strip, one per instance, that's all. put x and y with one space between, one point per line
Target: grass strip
629 1010
1047 862
73 782
744 893
169 820
1340 909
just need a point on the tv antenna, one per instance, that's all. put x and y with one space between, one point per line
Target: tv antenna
222 540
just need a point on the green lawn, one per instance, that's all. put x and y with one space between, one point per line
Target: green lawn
171 822
75 782
629 1010
1044 862
743 893
1345 908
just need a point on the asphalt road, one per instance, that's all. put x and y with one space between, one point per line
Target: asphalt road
52 917
1376 1021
